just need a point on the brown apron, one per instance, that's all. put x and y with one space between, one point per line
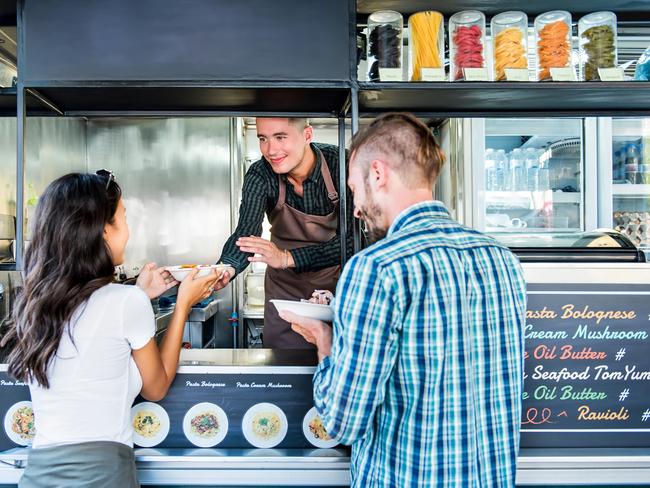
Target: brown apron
291 229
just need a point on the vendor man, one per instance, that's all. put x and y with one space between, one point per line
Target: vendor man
296 184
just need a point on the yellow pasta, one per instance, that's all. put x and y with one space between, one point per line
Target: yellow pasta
509 51
425 32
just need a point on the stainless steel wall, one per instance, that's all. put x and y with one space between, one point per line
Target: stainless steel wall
176 179
175 174
54 146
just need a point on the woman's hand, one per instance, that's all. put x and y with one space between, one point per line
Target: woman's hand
192 289
155 281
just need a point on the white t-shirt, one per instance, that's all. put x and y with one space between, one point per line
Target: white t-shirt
94 381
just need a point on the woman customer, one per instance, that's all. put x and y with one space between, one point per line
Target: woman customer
85 344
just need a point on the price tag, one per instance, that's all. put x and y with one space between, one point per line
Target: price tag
563 74
611 74
517 74
476 74
390 74
433 74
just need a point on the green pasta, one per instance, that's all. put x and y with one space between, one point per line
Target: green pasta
600 49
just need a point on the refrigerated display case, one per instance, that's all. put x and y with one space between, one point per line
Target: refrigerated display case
624 177
532 180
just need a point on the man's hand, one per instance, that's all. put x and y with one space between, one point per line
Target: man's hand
224 278
266 252
155 281
314 331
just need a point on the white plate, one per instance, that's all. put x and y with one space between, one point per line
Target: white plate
309 435
158 435
179 272
306 309
24 439
253 437
205 440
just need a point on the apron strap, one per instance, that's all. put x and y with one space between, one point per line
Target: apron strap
282 195
332 194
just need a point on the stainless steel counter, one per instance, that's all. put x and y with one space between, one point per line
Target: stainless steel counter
331 467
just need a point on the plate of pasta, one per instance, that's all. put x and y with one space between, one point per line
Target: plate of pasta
150 424
180 272
205 424
315 433
19 423
264 425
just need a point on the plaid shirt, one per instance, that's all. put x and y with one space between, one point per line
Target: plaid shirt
426 371
260 195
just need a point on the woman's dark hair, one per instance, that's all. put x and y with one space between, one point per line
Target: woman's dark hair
66 261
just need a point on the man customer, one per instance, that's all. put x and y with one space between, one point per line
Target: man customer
422 372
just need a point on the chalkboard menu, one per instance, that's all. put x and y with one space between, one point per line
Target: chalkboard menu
587 366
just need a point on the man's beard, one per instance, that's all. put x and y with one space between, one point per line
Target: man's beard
370 215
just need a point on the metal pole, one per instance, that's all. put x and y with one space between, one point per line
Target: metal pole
356 228
21 124
20 176
343 203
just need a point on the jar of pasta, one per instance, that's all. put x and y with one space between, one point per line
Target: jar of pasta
427 42
466 43
597 35
553 38
385 45
510 42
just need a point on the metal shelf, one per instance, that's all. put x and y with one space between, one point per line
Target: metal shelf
502 99
81 98
630 191
527 197
625 9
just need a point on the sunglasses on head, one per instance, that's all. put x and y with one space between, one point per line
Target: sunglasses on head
104 173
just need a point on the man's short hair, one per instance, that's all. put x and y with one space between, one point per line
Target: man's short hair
299 122
405 144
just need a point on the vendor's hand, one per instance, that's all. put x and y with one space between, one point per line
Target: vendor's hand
322 297
224 278
314 331
266 252
155 281
192 289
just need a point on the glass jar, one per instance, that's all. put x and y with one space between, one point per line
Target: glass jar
553 39
597 35
427 41
384 42
510 41
466 43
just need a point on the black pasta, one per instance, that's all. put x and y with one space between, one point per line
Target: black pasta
385 43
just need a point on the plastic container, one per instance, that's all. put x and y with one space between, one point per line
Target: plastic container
466 43
385 30
427 42
517 171
510 41
598 44
553 42
501 178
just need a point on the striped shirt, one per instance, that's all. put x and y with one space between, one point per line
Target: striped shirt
425 375
260 195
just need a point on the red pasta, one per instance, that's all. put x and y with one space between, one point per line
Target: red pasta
468 51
